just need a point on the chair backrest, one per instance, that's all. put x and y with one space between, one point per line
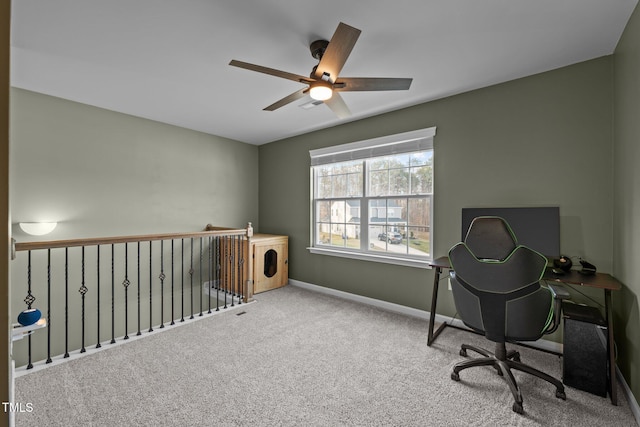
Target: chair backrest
496 285
490 237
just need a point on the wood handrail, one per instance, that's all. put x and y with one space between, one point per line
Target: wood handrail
94 241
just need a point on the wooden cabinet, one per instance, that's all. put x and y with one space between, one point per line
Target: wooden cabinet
270 255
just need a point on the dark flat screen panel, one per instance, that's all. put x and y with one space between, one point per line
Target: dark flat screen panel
534 227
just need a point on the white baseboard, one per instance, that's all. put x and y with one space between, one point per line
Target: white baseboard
633 403
397 308
423 314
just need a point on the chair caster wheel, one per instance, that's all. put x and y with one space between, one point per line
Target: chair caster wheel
463 352
517 408
455 376
516 357
561 395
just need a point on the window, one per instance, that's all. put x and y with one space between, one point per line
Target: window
374 199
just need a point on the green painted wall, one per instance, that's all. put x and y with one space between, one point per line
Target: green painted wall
626 184
101 173
540 140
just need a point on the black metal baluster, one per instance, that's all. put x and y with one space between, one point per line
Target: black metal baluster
200 281
236 271
29 299
234 291
66 302
182 281
126 284
231 270
237 267
227 270
218 266
83 290
236 287
49 306
191 278
172 282
223 263
162 277
98 345
218 284
139 333
113 292
209 282
241 281
113 295
150 291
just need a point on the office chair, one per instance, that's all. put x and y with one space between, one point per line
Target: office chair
497 293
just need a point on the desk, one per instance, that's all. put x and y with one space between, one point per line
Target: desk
603 281
439 264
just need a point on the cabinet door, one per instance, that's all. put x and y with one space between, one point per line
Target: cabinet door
232 278
270 266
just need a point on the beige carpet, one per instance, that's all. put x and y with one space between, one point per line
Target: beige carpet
299 358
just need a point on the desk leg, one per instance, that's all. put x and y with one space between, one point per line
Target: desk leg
432 316
611 349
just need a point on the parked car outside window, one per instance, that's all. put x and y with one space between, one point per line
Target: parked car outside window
390 237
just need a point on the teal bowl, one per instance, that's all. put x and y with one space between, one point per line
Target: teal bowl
29 317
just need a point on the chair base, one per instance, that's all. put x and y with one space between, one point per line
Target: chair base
504 361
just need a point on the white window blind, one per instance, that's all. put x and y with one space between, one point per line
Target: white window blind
407 142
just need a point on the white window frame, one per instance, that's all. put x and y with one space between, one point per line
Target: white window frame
407 142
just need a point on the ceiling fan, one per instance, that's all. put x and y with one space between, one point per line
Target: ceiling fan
323 84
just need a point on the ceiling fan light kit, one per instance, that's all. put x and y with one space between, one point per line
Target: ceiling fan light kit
320 91
323 84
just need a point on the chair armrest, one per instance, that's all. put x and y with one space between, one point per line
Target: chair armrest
559 292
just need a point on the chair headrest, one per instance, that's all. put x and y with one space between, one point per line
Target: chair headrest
490 237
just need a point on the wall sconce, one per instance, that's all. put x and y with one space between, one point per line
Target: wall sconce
38 228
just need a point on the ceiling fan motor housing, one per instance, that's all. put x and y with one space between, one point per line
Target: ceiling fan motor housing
317 48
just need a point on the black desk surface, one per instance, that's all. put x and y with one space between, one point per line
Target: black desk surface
598 280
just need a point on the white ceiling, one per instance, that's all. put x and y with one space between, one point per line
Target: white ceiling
167 60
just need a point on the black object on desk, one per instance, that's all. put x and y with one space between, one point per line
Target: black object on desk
603 281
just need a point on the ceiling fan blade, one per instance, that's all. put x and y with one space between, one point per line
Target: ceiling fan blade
350 84
271 71
287 99
337 52
338 106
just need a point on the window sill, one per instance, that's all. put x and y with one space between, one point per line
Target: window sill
386 259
